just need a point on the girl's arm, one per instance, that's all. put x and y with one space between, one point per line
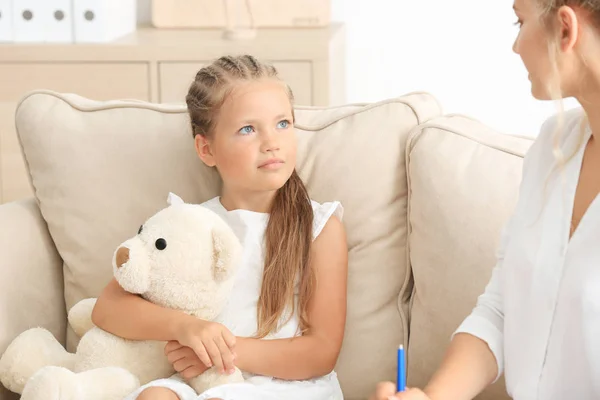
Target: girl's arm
315 353
131 317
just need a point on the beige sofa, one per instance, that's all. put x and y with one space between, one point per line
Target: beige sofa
425 197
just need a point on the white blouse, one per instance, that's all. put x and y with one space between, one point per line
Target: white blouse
540 313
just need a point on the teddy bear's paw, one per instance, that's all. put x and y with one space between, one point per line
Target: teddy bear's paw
236 377
212 378
80 316
111 383
52 383
28 353
56 383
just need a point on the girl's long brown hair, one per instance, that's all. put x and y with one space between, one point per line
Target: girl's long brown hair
289 230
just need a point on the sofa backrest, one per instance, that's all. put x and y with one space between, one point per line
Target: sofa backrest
463 181
99 169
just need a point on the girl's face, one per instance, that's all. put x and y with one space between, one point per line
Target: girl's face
253 145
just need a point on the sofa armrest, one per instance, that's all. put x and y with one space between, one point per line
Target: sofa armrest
31 276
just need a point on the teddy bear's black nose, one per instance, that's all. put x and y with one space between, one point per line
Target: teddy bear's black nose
122 256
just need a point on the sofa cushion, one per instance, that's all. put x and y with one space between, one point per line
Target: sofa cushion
101 168
463 183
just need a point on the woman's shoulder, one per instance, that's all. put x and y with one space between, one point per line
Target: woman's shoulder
561 131
322 212
561 128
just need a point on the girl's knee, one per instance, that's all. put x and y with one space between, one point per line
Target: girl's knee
157 393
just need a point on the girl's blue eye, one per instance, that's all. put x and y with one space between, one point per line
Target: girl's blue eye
283 124
246 130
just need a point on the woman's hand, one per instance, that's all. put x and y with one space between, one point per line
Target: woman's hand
387 391
184 360
212 343
412 394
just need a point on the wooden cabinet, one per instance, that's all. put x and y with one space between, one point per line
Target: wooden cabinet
156 65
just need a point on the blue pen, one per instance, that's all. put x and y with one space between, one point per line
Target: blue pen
401 378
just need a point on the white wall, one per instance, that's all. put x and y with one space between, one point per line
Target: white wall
459 50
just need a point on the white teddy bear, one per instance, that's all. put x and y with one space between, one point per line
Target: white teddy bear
184 257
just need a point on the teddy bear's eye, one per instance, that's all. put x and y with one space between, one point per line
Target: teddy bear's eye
161 244
140 230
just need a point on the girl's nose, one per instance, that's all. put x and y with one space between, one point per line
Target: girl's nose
270 142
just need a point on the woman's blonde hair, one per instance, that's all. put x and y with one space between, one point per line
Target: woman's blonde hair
289 230
548 10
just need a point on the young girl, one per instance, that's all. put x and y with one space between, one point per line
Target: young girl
291 285
538 321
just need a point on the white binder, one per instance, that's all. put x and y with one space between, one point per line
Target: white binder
59 21
98 21
28 20
42 21
6 17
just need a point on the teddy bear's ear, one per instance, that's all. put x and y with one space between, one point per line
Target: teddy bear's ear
227 249
173 199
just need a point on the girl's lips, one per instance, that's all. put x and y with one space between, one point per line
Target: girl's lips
271 164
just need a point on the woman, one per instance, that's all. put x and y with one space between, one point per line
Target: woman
538 321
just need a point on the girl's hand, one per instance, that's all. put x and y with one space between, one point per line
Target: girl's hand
184 360
387 391
212 342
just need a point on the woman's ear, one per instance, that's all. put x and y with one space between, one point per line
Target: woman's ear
204 150
569 28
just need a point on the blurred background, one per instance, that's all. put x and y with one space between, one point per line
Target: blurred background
330 52
459 50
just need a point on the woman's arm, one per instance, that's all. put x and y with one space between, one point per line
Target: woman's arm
469 366
474 358
131 317
315 353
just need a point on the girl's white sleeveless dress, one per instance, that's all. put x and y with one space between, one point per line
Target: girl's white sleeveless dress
239 316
